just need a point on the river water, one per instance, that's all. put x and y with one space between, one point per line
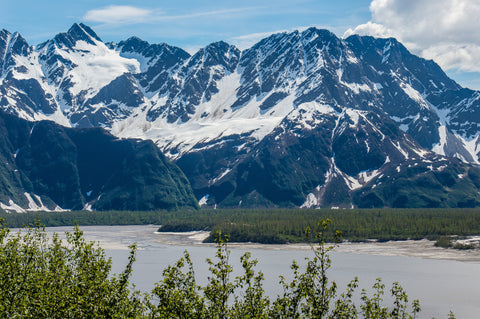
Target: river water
442 280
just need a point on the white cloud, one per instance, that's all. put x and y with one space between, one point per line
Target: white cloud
129 14
464 57
118 14
371 28
222 13
447 31
248 40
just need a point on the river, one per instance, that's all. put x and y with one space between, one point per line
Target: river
442 280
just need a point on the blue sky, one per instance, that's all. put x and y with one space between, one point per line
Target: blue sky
191 24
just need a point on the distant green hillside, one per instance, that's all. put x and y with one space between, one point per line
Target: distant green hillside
45 164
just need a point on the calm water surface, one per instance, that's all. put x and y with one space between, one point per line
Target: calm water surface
440 285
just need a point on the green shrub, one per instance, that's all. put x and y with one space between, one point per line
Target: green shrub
444 242
43 277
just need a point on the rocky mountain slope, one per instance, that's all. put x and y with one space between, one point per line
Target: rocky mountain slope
299 119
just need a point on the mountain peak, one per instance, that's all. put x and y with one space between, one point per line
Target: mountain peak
219 47
319 35
4 32
4 38
12 44
82 32
138 46
320 32
219 53
218 44
135 39
133 44
77 32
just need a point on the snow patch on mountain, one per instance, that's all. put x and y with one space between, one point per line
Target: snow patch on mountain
203 201
212 120
143 63
314 199
440 147
309 115
473 147
219 105
96 66
35 205
420 152
355 87
27 67
455 146
11 207
310 201
58 117
219 177
401 150
366 177
413 94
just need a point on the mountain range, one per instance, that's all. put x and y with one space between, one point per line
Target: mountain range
300 119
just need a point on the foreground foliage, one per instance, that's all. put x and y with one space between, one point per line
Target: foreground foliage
43 277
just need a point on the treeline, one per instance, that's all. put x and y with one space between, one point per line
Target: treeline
278 225
91 218
288 225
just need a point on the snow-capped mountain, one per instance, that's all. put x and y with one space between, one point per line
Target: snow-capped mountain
301 118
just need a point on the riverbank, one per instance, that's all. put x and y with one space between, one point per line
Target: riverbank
281 226
145 235
410 248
